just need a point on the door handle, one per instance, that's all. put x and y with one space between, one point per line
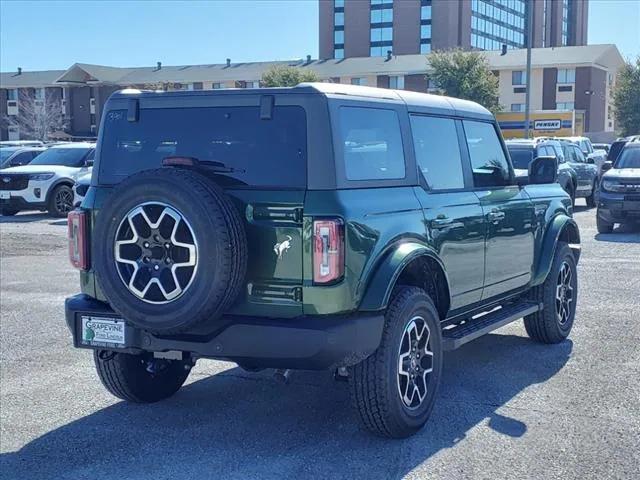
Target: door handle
442 221
496 216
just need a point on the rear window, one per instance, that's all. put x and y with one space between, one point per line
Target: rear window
520 157
256 152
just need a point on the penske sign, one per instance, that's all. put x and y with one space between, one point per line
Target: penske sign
547 124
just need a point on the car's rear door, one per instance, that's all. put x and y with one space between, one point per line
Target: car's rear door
453 216
508 211
584 171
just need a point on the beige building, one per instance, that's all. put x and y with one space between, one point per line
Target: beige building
564 78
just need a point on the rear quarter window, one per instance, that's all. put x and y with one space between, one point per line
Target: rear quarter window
258 152
371 144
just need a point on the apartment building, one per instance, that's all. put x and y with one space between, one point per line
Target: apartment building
362 28
564 78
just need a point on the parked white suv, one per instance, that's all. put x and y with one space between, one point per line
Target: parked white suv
47 182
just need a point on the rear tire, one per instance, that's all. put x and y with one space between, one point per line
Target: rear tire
61 201
126 377
558 294
602 226
572 194
591 199
394 390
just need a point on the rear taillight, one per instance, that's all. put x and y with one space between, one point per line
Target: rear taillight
328 250
78 248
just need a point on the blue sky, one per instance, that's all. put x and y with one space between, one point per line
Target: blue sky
39 35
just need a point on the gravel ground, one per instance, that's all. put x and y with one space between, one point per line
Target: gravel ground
507 408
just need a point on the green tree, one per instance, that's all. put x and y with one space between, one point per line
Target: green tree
284 76
466 75
626 98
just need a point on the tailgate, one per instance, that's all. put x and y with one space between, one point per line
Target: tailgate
273 222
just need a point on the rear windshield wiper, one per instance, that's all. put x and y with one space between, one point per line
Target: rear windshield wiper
213 165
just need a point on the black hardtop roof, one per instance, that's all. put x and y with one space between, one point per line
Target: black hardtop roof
413 100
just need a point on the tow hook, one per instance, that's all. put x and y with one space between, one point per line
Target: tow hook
341 374
282 376
155 365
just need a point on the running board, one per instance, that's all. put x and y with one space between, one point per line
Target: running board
457 336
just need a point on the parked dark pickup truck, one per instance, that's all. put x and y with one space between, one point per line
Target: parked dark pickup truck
359 230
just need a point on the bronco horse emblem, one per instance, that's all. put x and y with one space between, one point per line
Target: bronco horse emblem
280 248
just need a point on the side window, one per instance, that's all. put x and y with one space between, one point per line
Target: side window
372 144
559 154
549 151
488 161
437 151
568 153
579 156
21 159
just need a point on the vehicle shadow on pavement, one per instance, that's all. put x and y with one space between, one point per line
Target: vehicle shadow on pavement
627 233
242 425
32 217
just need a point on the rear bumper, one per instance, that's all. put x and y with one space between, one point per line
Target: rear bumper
307 343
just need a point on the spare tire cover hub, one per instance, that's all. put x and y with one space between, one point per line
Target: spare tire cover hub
156 252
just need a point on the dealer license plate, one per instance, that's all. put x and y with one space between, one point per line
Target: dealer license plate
5 195
102 331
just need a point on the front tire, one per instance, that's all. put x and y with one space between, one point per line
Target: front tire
602 226
559 294
394 390
128 377
591 199
61 201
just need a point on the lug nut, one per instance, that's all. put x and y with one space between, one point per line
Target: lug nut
167 260
167 245
156 238
145 244
156 267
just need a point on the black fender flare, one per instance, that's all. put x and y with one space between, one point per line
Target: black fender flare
383 281
561 226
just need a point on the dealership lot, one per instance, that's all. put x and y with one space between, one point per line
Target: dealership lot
507 408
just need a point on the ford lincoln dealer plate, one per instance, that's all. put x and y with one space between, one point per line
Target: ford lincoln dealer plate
102 331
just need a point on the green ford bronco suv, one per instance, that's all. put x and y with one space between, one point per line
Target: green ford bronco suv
358 230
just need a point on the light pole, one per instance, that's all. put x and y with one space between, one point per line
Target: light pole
527 104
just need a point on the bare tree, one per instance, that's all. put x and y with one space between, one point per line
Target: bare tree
37 118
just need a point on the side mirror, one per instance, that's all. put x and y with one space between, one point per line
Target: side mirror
543 170
88 163
608 165
590 160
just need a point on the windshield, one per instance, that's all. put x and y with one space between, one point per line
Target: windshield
629 158
68 157
520 157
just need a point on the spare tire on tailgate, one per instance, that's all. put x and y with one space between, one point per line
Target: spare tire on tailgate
169 249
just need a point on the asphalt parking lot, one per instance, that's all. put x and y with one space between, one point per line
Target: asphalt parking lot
507 407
